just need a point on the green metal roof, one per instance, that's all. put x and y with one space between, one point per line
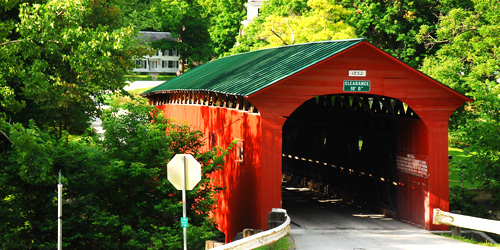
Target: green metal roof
246 73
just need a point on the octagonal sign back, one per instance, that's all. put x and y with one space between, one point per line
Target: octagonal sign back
175 170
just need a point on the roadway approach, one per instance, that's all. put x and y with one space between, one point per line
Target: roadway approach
319 222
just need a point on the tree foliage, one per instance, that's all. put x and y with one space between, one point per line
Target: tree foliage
204 29
286 22
185 21
468 60
116 191
225 19
394 25
58 57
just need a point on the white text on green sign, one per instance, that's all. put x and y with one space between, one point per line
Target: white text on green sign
184 222
356 86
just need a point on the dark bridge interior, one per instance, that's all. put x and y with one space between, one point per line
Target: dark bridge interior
345 146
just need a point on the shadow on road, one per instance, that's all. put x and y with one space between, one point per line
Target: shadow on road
312 210
319 222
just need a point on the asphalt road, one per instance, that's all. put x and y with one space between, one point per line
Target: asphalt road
142 84
324 223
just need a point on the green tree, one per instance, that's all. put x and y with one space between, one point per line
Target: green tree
394 25
116 192
468 60
184 18
57 60
284 8
58 57
291 22
137 13
225 21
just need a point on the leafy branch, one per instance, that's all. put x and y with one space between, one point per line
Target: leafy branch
6 136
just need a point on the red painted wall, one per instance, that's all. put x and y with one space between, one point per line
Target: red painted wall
412 190
239 203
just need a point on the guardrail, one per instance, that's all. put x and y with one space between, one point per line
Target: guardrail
262 238
458 220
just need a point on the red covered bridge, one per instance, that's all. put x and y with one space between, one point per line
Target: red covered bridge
342 114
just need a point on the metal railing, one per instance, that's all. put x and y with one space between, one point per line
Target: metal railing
262 238
463 221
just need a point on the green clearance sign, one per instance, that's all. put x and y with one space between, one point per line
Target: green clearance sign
356 86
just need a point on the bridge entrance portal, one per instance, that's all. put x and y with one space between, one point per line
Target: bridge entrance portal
346 146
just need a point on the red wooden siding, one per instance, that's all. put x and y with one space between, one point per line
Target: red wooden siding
239 203
412 190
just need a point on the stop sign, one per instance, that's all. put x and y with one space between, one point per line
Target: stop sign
175 171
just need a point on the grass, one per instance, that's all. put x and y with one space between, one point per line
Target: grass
472 241
116 99
141 77
137 92
284 243
455 172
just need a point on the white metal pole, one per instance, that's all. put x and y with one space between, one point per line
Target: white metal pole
59 213
184 229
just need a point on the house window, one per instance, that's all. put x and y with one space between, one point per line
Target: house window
164 64
173 64
140 64
170 52
153 64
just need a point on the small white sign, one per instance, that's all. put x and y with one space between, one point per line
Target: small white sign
358 73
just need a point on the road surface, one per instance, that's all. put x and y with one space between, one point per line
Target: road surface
324 223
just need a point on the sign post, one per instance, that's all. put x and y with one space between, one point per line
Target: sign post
184 172
59 213
184 213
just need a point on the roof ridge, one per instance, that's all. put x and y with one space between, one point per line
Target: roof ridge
298 44
246 73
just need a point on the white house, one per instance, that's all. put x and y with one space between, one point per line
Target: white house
253 7
164 61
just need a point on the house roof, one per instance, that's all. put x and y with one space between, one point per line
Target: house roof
246 73
151 36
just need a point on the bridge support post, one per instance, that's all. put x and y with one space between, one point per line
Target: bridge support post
270 174
438 190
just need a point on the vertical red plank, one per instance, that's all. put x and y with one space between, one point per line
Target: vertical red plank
438 172
412 190
270 188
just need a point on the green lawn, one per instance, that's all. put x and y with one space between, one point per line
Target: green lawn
138 91
284 243
141 77
455 172
116 99
472 241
